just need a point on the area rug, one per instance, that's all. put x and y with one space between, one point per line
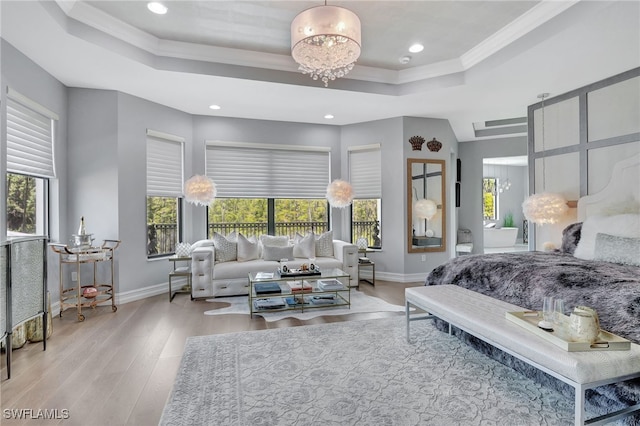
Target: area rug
360 302
353 373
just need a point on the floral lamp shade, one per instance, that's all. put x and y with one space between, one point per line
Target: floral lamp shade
200 190
425 209
544 208
339 193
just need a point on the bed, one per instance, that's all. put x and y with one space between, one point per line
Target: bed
598 265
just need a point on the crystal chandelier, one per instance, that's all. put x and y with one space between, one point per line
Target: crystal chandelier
325 42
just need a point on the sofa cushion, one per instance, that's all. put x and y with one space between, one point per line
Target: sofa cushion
304 246
247 248
277 253
240 270
226 247
324 244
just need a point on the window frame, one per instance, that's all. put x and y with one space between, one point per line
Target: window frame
365 175
161 184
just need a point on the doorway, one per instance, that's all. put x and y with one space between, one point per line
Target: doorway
504 188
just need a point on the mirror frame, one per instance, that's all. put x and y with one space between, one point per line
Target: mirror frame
443 207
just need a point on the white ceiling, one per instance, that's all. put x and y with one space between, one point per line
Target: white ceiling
520 161
483 60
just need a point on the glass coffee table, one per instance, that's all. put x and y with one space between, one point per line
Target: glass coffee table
272 292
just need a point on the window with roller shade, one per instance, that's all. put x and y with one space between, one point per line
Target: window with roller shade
165 177
30 144
365 171
267 189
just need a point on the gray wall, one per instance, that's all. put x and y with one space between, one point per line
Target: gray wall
471 155
393 134
24 76
267 132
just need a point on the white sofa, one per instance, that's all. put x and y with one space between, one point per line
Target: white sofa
213 279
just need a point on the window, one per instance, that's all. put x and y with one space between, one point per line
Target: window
276 216
267 189
365 176
489 198
164 192
26 205
30 164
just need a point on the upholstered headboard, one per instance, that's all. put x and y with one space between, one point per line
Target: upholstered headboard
621 195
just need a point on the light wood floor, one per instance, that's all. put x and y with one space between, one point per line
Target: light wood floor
118 368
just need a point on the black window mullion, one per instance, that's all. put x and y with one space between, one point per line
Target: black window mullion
271 216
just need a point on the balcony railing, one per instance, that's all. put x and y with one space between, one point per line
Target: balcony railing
162 237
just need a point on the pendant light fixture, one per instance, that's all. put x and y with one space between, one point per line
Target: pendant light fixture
325 42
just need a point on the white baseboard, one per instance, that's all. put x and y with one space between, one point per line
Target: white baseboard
401 278
127 296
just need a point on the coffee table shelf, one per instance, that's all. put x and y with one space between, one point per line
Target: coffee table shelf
315 297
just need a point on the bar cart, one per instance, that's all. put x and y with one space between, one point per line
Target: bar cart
88 295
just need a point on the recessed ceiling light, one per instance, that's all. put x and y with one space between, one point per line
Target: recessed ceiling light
416 48
214 106
328 116
405 59
156 7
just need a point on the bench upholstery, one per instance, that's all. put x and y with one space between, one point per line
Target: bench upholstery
484 317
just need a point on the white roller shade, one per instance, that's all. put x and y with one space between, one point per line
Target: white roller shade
267 171
365 171
164 165
29 137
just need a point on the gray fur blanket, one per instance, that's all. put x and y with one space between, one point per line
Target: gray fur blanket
525 278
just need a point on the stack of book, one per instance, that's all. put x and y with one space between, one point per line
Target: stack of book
267 288
301 287
270 303
330 285
324 299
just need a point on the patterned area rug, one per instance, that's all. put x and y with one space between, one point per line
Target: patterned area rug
360 303
352 373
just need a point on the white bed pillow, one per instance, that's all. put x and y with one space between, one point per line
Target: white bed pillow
623 225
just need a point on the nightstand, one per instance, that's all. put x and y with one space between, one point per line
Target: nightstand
367 264
182 272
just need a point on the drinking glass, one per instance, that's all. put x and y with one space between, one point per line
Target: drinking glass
558 311
559 318
547 313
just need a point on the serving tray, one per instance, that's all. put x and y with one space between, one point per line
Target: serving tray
298 273
605 342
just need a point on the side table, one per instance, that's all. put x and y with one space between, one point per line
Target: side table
369 264
180 271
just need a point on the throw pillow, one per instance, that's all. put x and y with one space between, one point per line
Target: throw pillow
623 225
226 248
247 248
277 253
624 250
274 241
183 250
304 246
571 238
324 244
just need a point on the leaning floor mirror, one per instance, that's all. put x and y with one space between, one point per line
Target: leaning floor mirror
426 205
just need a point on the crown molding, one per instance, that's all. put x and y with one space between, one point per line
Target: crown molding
527 22
94 17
